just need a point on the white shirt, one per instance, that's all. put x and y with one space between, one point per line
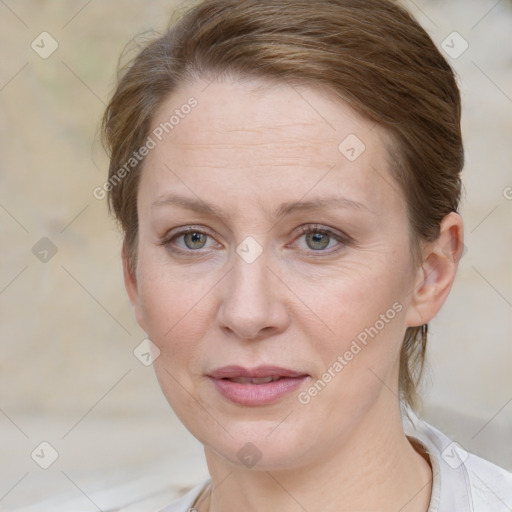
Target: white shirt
462 481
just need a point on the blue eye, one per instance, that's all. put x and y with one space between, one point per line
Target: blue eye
318 239
193 240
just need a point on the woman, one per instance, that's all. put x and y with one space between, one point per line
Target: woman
287 177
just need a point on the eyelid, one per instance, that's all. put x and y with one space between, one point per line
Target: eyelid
342 238
308 228
183 230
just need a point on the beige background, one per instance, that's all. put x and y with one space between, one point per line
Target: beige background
68 375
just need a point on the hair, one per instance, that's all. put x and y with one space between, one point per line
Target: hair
371 54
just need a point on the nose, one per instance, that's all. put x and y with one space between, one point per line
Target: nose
252 304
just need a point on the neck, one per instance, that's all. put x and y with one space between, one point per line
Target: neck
374 469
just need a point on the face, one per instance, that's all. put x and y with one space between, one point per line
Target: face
272 240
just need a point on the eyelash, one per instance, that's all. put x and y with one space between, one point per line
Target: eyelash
304 230
343 240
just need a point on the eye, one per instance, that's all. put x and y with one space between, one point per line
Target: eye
319 239
192 240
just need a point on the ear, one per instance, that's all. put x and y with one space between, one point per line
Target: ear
436 274
130 283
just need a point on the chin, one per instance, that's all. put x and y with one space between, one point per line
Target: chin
259 444
254 450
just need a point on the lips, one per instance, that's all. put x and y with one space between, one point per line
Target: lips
254 380
261 372
257 386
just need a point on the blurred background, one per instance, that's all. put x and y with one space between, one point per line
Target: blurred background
68 373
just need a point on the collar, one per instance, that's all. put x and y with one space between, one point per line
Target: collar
451 489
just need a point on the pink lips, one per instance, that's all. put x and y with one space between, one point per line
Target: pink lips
257 386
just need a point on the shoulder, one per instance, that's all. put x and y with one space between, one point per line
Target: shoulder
461 479
491 485
185 503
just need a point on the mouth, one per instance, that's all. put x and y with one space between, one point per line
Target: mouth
261 372
254 380
258 386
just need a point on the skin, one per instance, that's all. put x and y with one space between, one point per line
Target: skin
246 148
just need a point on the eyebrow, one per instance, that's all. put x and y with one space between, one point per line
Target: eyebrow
204 207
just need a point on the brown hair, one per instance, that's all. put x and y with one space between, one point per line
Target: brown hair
370 53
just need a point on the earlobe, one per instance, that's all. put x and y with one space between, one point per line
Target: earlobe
130 283
436 275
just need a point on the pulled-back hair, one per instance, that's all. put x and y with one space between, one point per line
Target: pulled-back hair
370 53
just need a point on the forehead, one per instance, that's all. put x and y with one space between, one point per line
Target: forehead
254 113
260 135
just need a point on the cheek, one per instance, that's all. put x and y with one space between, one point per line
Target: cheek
360 360
358 313
176 312
175 321
352 299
